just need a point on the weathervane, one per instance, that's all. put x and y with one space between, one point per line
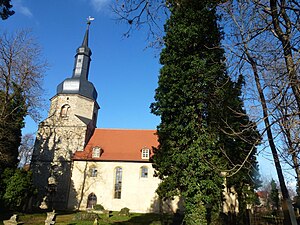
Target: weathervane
89 19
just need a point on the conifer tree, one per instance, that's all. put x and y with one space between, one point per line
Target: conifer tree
12 121
201 114
274 197
21 75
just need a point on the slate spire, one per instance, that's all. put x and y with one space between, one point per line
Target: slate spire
85 42
83 57
79 83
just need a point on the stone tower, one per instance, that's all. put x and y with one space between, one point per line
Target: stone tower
70 124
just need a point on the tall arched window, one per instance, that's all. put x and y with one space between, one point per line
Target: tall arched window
118 182
64 112
92 201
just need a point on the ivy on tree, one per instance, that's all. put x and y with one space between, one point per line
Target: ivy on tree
12 121
200 108
22 71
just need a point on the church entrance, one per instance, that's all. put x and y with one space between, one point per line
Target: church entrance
92 201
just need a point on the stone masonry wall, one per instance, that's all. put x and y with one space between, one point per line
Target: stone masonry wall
59 136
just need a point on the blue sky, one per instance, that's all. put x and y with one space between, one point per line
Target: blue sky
123 71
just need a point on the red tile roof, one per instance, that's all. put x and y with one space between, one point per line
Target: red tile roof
262 194
118 145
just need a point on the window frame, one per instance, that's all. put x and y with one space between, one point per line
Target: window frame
145 153
118 173
143 173
93 172
65 111
96 152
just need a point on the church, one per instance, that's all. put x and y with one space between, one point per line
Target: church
77 166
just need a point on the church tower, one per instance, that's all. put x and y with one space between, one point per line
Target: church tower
70 124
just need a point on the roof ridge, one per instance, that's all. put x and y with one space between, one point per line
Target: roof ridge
133 129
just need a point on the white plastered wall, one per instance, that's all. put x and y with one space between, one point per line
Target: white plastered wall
138 193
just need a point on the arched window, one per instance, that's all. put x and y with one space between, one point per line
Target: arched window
92 201
118 182
65 110
144 172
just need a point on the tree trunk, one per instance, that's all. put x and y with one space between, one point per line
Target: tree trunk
289 215
284 38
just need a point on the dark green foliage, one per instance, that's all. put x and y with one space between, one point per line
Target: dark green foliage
5 9
239 138
85 216
16 189
274 197
20 81
201 114
124 212
78 218
11 122
98 207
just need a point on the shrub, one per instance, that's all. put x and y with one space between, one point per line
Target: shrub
85 216
156 223
16 188
124 212
98 207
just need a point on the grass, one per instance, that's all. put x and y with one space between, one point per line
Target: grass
65 218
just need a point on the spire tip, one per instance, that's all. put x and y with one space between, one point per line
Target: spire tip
89 19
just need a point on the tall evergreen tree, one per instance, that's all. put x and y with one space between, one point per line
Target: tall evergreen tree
274 197
238 138
12 121
21 75
201 114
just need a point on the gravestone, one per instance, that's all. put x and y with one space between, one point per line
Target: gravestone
95 221
51 216
43 204
12 221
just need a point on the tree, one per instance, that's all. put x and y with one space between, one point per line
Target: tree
26 149
5 9
285 18
22 65
21 74
286 31
252 43
204 129
16 189
274 197
10 127
151 14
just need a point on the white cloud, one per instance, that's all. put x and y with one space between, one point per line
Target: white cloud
19 7
25 11
98 5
